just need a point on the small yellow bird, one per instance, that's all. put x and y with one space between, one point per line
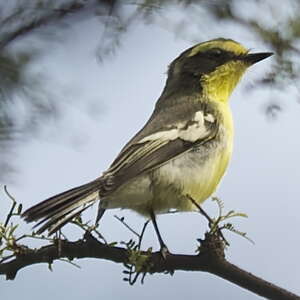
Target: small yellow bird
181 152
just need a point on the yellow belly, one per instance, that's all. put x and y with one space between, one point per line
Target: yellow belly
196 173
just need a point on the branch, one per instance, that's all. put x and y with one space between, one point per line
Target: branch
38 22
51 16
211 259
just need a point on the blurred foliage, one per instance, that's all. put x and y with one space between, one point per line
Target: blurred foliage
275 24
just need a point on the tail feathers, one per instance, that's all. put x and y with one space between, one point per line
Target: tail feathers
54 224
56 211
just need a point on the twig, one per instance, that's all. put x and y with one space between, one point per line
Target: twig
127 226
41 21
70 262
86 227
12 207
142 234
212 224
33 236
209 219
11 211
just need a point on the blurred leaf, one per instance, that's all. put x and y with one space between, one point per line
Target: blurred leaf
11 69
272 110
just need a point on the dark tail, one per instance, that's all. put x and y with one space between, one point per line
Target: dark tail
56 211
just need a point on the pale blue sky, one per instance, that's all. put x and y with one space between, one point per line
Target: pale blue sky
113 100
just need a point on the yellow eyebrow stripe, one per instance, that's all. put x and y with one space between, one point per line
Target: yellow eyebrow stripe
227 45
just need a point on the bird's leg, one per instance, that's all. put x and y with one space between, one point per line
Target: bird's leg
163 248
202 211
100 213
211 223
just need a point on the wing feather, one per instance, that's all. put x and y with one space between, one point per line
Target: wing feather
159 147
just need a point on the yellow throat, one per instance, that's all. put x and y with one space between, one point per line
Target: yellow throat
219 84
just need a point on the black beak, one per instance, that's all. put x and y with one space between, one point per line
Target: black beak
256 57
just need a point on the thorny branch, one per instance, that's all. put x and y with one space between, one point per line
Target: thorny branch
53 15
210 257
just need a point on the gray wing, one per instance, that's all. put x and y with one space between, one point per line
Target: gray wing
144 153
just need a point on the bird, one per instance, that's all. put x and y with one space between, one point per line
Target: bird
182 151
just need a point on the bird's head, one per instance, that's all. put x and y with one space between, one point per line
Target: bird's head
213 67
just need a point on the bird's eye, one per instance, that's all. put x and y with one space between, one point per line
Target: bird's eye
215 52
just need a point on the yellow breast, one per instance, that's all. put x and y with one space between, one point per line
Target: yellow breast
197 172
